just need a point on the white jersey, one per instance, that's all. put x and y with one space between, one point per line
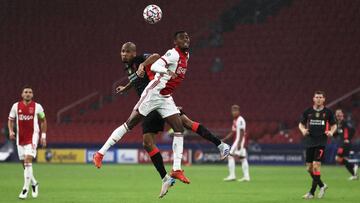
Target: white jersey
238 125
174 60
27 127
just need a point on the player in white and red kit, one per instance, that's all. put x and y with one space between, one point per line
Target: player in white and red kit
26 115
238 147
170 71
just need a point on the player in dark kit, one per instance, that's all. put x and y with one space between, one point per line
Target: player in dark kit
317 124
138 69
343 136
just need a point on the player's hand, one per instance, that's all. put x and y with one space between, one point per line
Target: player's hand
43 142
12 135
120 89
328 133
140 71
305 132
172 74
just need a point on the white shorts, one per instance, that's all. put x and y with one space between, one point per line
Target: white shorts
152 100
29 149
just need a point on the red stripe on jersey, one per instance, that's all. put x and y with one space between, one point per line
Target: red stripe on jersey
149 73
26 114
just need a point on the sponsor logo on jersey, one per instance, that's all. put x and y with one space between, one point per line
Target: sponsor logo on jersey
317 122
23 117
181 70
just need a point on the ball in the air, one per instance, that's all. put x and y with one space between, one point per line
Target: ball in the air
152 14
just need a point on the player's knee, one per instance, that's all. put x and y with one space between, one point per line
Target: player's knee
148 145
339 160
28 159
309 168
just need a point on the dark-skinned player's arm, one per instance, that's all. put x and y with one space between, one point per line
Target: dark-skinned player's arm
139 73
121 89
43 128
150 60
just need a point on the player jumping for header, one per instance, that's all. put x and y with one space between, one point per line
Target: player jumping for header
170 71
138 69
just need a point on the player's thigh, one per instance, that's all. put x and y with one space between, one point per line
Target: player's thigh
187 122
134 118
29 152
175 122
319 154
21 152
149 102
153 123
309 155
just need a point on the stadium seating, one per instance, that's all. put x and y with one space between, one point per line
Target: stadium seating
270 69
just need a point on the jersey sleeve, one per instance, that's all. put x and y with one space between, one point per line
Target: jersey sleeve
303 118
170 57
12 114
40 111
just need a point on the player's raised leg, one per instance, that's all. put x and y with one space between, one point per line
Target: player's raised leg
116 135
178 147
206 134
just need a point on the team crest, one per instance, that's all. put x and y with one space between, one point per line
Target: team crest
31 110
317 115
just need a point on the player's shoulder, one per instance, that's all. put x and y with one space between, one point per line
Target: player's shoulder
38 105
14 105
240 120
309 110
172 53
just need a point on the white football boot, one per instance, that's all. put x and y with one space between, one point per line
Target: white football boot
167 182
224 150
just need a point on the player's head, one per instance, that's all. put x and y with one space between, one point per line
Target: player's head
27 93
319 98
339 115
182 40
235 111
128 52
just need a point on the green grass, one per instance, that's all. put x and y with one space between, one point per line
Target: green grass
140 183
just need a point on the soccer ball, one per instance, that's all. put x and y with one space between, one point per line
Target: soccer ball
152 14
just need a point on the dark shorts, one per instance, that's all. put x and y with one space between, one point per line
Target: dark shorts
343 151
315 154
154 123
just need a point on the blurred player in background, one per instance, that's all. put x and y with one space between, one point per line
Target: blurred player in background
138 69
170 71
317 124
27 115
238 146
343 135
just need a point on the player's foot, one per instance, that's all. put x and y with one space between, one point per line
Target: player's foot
23 194
97 159
167 182
354 178
230 178
35 190
322 191
308 196
179 174
244 179
224 150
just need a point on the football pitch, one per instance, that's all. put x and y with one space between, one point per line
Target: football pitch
141 183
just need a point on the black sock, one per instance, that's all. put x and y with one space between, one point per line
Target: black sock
313 187
158 162
206 134
349 167
318 180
